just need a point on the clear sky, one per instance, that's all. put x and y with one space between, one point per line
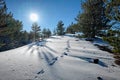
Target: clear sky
49 11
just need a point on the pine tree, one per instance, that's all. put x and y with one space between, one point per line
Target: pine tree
113 13
113 10
3 14
92 20
72 28
4 26
46 33
24 38
11 34
31 36
36 30
60 28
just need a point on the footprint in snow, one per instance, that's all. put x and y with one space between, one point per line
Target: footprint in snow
53 61
36 76
41 72
99 78
55 58
64 54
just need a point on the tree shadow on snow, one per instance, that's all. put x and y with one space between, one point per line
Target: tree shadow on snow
50 59
51 49
68 44
90 60
29 47
55 37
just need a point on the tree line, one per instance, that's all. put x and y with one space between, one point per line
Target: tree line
12 34
99 18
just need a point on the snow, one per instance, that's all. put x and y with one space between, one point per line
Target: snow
99 42
59 58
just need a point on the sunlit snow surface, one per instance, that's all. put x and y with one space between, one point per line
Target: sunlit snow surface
58 58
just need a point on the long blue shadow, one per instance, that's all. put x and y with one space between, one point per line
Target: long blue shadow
90 60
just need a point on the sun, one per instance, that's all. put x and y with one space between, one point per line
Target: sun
33 17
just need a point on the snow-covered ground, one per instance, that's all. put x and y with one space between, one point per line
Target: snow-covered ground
58 58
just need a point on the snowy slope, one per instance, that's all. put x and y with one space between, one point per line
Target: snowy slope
58 58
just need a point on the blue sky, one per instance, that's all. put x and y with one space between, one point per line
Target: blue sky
49 11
